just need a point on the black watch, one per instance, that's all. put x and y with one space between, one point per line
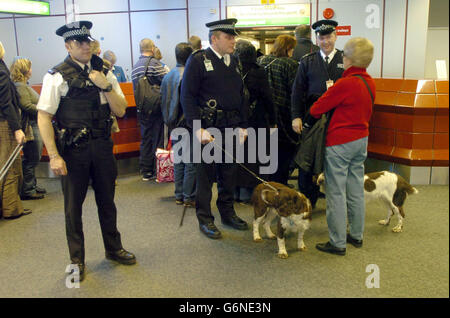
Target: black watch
108 88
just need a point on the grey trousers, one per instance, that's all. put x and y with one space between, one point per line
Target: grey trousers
344 187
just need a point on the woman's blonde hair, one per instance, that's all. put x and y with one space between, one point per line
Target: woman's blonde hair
283 44
19 69
2 50
157 54
359 51
95 47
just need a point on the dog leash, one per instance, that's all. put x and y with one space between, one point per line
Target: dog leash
245 168
10 161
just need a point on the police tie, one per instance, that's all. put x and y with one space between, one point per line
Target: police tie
86 69
327 59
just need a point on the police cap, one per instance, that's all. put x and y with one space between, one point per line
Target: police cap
324 27
78 30
226 26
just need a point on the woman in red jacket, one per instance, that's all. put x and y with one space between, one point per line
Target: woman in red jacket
351 98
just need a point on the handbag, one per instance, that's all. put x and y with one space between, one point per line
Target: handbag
164 164
147 96
310 154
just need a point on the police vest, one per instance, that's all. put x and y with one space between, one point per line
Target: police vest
81 107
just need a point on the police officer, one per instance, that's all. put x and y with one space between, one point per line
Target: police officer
317 72
211 92
82 97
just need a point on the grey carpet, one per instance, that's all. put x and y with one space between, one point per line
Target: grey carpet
181 262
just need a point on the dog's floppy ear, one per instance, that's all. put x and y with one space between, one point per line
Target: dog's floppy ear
270 197
319 179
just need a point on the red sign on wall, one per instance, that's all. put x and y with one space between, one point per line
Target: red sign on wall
344 30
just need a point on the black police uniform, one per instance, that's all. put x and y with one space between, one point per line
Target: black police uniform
206 77
310 83
311 78
83 128
85 145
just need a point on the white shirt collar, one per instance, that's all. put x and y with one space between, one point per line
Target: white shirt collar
226 57
331 55
82 65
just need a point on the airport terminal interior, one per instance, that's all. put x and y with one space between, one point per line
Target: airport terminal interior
408 135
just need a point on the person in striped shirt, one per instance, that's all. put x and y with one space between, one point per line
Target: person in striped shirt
152 128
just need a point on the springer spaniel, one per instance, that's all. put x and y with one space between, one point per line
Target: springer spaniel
293 209
387 187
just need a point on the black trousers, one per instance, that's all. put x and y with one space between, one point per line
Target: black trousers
307 186
95 160
152 137
225 175
286 153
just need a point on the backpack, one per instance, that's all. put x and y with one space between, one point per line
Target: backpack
147 96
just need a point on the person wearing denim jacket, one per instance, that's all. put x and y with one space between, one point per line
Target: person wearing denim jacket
184 172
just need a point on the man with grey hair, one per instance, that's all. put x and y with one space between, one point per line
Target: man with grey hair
117 70
304 45
195 42
152 127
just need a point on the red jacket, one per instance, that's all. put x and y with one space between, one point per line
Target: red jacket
353 107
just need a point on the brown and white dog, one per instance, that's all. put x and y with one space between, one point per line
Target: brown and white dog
292 208
386 187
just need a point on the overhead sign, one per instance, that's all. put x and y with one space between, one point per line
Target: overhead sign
25 7
344 30
270 15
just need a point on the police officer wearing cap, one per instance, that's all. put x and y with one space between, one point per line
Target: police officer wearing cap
316 73
212 92
81 96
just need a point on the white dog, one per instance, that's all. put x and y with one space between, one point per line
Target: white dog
387 187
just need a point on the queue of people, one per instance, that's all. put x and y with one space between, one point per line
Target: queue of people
269 91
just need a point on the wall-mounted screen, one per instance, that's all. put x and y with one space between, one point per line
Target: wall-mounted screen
25 7
270 15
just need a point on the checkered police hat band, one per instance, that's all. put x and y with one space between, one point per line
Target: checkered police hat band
77 32
222 27
325 27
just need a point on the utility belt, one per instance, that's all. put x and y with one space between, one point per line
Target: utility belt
76 138
213 117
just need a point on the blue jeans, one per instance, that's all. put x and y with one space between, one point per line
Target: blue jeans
344 187
32 151
184 175
243 194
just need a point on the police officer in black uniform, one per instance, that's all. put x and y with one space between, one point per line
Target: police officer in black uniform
82 95
212 92
316 73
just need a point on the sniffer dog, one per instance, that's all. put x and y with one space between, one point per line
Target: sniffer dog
386 187
292 207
